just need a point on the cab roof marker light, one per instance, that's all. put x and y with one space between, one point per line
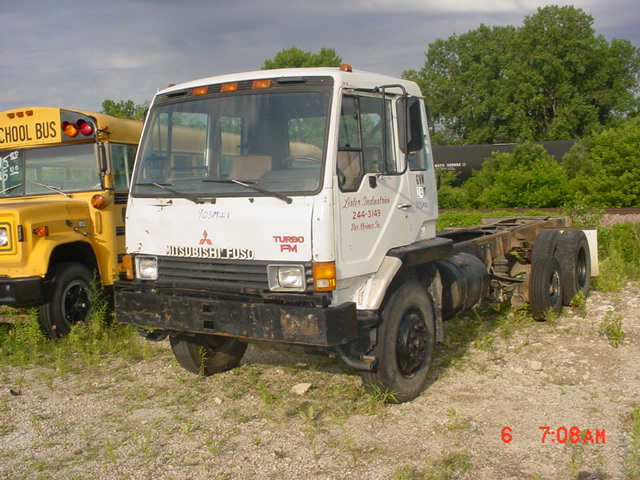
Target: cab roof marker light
260 84
200 91
229 87
345 67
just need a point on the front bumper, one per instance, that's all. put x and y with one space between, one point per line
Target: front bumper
21 292
241 316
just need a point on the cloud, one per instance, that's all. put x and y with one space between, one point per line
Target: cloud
75 56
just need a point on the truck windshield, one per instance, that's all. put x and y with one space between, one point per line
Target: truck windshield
48 170
217 146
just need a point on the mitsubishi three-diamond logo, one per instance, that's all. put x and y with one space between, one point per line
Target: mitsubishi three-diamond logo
205 240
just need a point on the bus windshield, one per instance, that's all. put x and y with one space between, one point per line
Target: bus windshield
235 145
61 169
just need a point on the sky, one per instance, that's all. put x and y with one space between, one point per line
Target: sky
76 54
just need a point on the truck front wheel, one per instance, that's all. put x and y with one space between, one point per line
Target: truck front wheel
207 354
405 344
68 299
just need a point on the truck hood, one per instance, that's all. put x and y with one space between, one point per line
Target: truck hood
261 228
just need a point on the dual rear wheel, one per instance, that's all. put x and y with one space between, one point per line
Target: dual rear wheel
560 269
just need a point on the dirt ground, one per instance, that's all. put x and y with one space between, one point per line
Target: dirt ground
480 417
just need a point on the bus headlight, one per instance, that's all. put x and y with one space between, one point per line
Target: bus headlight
146 267
4 237
286 278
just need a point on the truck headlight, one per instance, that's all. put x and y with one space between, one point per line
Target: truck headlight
4 237
286 278
146 267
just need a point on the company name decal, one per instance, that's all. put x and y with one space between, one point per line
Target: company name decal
211 252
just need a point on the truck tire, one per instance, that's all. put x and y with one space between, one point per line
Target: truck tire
68 299
207 354
405 344
575 264
546 243
545 287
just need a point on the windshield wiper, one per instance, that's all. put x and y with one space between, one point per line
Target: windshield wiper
165 186
255 188
54 188
8 189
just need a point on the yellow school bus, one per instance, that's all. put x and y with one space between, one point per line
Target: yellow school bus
64 181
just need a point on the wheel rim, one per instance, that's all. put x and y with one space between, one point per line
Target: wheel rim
412 343
554 289
582 271
75 302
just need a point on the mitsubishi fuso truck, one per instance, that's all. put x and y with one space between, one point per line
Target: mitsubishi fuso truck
298 207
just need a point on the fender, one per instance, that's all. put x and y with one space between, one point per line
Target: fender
422 253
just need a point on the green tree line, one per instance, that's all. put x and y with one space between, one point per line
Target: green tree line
552 78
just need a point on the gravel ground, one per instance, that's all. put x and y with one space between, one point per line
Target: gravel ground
153 420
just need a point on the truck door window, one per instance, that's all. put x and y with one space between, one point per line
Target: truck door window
411 110
365 144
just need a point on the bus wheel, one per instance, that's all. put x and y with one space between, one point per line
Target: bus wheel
68 299
545 287
575 264
207 354
406 340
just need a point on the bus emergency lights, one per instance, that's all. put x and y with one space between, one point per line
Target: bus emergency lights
81 126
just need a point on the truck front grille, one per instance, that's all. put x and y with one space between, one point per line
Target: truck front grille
210 273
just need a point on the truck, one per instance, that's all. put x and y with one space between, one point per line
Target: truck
64 181
298 208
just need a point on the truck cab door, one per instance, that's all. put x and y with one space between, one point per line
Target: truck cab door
373 195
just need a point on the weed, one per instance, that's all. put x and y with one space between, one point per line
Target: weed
633 454
611 326
455 421
448 467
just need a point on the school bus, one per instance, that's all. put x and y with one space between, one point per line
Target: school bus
64 182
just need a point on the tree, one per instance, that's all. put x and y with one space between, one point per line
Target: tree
295 57
550 79
124 109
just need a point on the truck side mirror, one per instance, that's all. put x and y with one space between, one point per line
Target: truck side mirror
410 124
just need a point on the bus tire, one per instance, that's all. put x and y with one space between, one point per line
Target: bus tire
68 299
406 339
575 264
207 354
545 287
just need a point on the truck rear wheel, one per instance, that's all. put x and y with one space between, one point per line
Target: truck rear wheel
575 264
546 243
545 287
207 354
68 299
405 344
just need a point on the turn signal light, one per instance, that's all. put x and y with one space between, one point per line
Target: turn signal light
42 231
98 202
324 276
127 266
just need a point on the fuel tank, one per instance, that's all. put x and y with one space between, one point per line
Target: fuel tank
465 283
